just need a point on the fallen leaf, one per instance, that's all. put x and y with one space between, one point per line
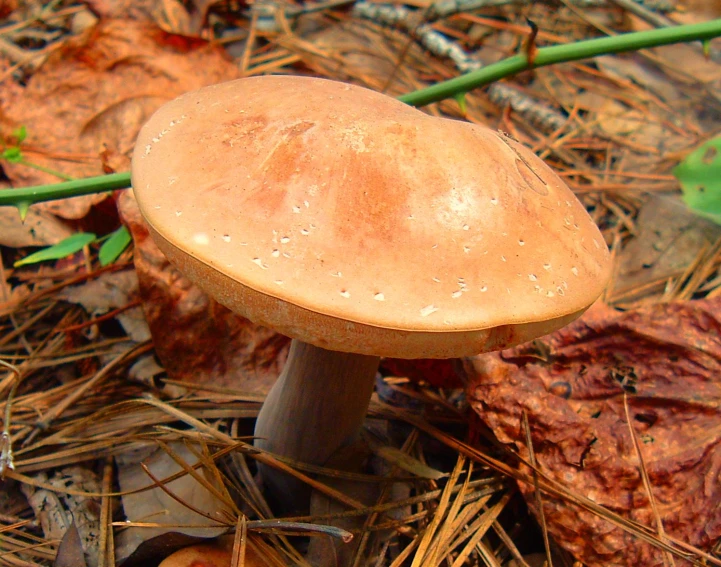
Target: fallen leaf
639 71
438 373
39 229
57 511
668 238
70 551
694 11
198 340
667 359
700 177
97 91
7 7
406 462
111 290
158 506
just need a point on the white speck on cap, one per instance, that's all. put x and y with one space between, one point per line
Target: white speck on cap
428 310
259 262
201 238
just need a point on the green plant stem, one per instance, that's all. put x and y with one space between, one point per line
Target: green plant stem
44 169
88 186
562 54
453 88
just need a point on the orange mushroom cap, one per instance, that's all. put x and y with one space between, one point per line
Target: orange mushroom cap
344 218
218 553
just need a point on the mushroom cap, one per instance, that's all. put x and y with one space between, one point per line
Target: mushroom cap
344 218
217 553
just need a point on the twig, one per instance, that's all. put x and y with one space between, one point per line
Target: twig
537 113
104 372
430 531
645 13
106 516
557 489
536 488
412 22
667 557
6 450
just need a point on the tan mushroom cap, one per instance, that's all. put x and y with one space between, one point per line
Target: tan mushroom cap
218 553
349 220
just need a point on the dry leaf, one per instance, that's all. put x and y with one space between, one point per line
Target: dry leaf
39 229
70 550
667 358
198 340
694 11
96 92
158 506
111 290
669 236
641 73
57 511
438 373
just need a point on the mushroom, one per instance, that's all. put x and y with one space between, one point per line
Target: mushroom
360 227
217 553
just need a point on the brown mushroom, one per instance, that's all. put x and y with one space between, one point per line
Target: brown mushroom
360 227
217 553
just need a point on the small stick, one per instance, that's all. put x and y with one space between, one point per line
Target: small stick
537 488
6 450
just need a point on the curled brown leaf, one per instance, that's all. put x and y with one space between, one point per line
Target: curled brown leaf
667 360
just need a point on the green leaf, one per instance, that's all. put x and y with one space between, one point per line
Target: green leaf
23 209
461 100
114 246
20 134
70 245
700 178
13 155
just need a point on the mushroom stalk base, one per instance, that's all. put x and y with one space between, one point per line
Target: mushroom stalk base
317 406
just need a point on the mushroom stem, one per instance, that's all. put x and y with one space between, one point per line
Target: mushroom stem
317 406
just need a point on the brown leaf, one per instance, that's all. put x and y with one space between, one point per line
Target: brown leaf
667 358
437 372
70 551
38 229
95 93
669 236
111 290
57 511
198 340
174 506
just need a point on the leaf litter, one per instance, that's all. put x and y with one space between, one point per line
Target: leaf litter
627 121
660 365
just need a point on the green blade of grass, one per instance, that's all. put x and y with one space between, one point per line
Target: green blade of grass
114 246
70 245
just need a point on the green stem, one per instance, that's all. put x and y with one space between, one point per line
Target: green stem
57 174
544 56
64 190
562 54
